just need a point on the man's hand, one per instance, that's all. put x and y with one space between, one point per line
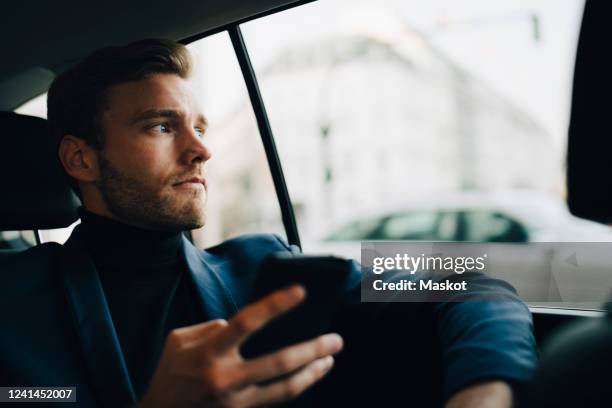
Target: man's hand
492 394
201 365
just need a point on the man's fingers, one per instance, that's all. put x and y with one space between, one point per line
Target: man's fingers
290 358
253 317
291 387
197 332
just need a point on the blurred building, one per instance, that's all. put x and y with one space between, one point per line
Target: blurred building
362 121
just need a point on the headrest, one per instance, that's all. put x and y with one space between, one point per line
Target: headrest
34 193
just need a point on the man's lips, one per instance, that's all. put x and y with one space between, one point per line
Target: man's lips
194 182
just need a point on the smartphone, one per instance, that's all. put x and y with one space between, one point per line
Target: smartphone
325 280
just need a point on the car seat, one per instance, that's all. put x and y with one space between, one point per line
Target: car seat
575 366
34 190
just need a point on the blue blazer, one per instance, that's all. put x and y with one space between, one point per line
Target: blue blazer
56 329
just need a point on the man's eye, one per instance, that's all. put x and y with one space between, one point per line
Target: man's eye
162 128
200 132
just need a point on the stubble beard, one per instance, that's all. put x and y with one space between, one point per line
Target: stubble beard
134 202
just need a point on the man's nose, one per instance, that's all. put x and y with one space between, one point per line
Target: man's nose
195 149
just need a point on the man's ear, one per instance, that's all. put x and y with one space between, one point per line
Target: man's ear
79 159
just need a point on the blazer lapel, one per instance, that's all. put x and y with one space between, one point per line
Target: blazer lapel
217 301
93 323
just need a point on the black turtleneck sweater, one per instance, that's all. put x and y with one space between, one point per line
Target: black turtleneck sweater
147 287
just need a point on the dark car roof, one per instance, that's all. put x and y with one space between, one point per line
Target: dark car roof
42 38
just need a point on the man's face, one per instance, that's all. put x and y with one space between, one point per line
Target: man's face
151 166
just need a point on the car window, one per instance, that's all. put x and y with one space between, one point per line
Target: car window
355 231
379 104
418 225
415 225
241 195
487 226
14 240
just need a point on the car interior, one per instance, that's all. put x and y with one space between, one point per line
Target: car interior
44 38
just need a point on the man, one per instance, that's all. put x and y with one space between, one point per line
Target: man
141 316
